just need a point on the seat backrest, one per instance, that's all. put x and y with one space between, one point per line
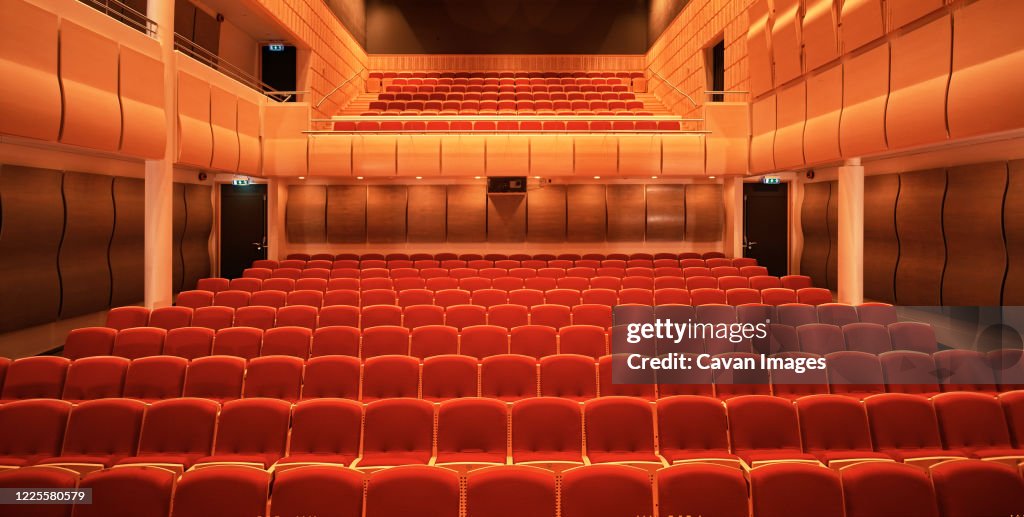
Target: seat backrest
902 421
472 425
702 489
104 427
603 418
412 490
35 377
867 337
399 425
833 422
326 426
510 491
89 341
146 490
179 426
390 376
95 378
762 422
887 488
606 490
275 376
819 338
547 428
568 376
331 376
317 490
155 378
913 335
385 340
222 490
909 372
534 340
293 341
139 342
33 427
971 420
217 377
449 377
189 342
795 489
508 377
434 340
253 426
482 341
974 487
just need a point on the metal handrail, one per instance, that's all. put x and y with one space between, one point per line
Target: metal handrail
680 92
340 86
133 18
724 92
197 52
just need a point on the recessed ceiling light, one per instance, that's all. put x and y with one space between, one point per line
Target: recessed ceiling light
359 177
711 177
419 177
302 177
597 177
654 177
536 177
476 177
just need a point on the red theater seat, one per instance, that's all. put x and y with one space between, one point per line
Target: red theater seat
331 376
213 317
434 340
608 441
95 378
155 378
835 429
138 342
321 490
35 377
472 430
702 489
795 489
568 376
146 491
120 318
606 490
31 430
693 428
905 427
251 431
189 342
412 490
969 488
216 377
508 377
390 376
449 377
399 432
229 490
887 488
176 432
89 341
510 491
101 432
764 429
974 423
324 431
276 376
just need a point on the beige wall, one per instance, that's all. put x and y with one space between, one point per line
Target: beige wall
239 49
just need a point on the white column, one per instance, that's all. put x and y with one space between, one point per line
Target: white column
277 199
732 191
851 232
159 213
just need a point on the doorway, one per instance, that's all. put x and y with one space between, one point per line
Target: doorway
243 227
766 226
278 65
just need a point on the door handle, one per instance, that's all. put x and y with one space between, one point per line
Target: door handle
750 245
259 246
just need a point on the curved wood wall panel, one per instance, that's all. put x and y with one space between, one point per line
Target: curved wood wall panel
507 155
597 155
427 213
88 73
820 33
506 218
683 155
986 89
762 141
789 138
195 137
418 155
467 213
759 50
626 207
195 241
1013 224
346 213
127 246
306 214
824 105
32 214
902 13
705 213
973 226
881 245
916 111
463 155
142 105
832 220
285 145
919 226
861 22
89 224
586 213
551 156
224 125
385 213
374 155
786 43
178 230
814 221
865 92
728 144
30 97
639 155
249 137
666 212
330 155
546 214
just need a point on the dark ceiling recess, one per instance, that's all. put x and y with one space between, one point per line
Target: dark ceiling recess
660 16
507 26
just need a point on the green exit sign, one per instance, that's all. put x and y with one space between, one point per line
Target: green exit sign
771 180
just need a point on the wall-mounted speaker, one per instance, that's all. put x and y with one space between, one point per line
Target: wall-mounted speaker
506 185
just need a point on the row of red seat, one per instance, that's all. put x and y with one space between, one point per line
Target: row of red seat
819 429
506 283
498 375
499 126
506 92
508 86
437 102
490 297
609 277
503 263
954 488
412 76
442 256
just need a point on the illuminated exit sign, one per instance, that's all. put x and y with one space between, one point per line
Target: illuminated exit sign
276 47
771 180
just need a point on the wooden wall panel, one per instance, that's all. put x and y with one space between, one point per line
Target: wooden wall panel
1013 222
127 246
881 245
506 218
33 220
865 92
30 97
330 155
705 213
789 138
916 111
762 140
142 105
824 104
820 33
195 241
224 126
508 155
546 214
666 212
832 220
586 213
385 213
88 71
84 272
248 137
306 214
919 224
759 46
467 213
626 206
195 138
972 220
179 212
346 213
427 212
786 41
814 220
861 22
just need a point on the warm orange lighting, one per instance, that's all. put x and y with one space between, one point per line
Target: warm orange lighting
536 177
476 177
302 177
597 177
419 177
654 177
711 177
359 177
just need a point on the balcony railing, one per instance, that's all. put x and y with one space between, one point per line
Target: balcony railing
124 14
